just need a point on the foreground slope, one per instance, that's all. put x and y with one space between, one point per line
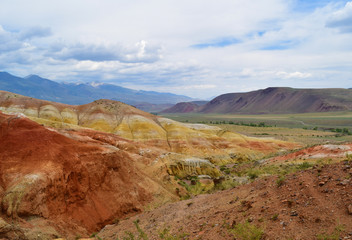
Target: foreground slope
312 204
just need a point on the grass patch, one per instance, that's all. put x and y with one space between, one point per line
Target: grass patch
226 184
280 181
197 188
247 231
165 234
329 126
334 236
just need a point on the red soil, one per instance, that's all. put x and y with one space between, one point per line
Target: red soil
79 183
306 205
318 152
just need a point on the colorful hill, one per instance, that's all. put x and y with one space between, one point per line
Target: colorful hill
70 170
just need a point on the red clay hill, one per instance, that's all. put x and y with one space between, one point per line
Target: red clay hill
54 185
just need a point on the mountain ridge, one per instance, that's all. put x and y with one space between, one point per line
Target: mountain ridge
279 100
82 93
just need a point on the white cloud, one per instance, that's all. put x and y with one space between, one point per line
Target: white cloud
140 52
342 19
148 44
287 75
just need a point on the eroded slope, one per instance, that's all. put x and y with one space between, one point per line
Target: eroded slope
56 185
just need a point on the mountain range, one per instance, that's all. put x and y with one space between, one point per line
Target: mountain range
273 100
76 94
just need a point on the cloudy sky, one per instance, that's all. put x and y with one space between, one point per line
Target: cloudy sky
199 48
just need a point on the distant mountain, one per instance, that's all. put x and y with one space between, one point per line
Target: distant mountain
37 87
282 100
152 108
185 107
274 100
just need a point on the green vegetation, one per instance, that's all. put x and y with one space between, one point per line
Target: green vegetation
275 217
280 181
307 128
334 236
253 170
195 187
247 231
140 236
226 184
164 234
249 170
330 120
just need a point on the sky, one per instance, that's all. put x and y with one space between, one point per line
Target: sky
198 48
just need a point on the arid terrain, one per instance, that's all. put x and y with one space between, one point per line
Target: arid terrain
311 204
67 171
176 120
106 170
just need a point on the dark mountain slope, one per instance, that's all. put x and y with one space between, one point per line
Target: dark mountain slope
37 87
185 107
282 100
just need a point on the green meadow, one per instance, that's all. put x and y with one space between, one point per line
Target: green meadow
306 128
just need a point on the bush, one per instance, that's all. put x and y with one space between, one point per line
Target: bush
247 231
304 165
280 181
253 174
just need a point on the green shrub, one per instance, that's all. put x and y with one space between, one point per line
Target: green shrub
253 174
275 217
247 231
280 181
304 165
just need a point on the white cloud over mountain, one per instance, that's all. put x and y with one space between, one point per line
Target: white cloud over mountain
199 47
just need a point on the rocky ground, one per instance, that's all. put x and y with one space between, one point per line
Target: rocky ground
311 204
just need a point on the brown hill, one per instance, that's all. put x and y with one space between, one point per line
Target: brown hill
279 100
152 108
185 107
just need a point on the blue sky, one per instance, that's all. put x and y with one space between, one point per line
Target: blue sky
200 48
